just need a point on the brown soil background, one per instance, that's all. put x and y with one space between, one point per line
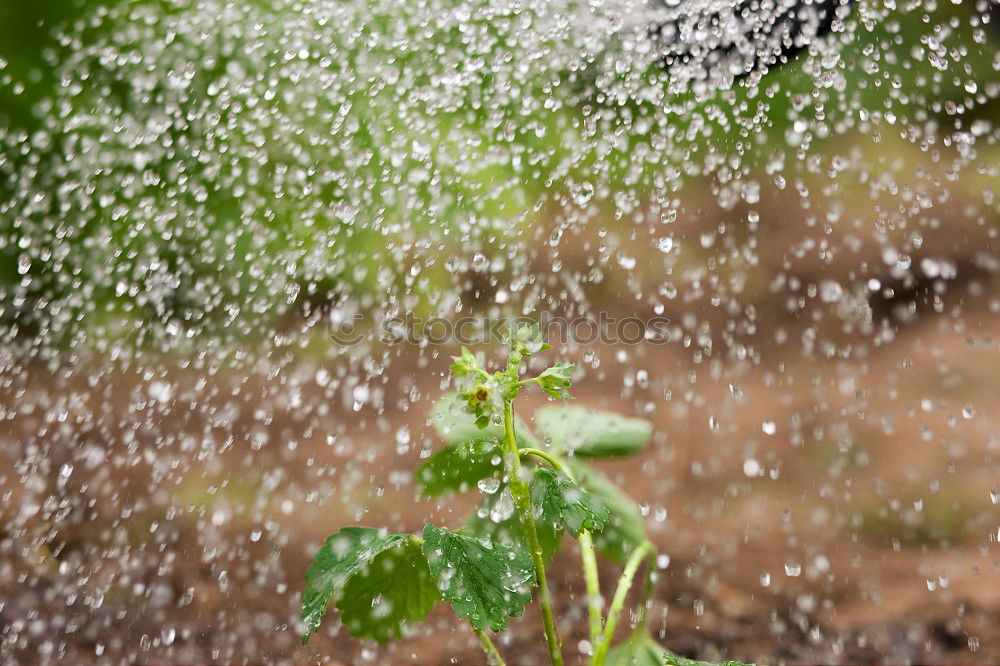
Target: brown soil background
916 424
182 529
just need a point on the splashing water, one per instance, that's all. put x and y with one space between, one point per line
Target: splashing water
238 240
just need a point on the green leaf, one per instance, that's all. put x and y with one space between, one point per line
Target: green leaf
526 340
556 380
589 433
342 556
561 502
455 423
640 649
625 529
394 589
485 583
465 364
496 519
460 466
672 659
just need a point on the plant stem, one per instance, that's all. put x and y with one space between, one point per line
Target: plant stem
522 501
591 579
492 654
550 459
593 583
647 593
618 601
587 554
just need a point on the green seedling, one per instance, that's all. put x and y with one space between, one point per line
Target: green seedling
539 489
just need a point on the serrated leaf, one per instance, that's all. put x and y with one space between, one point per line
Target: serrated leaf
496 519
340 557
589 433
485 583
561 502
557 380
394 589
625 529
464 364
460 466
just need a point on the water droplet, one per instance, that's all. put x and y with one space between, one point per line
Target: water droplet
489 485
581 193
665 244
402 440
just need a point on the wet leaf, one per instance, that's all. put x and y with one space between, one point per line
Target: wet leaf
393 590
625 529
501 524
671 659
465 364
641 649
455 423
562 503
485 583
460 466
341 556
589 433
557 380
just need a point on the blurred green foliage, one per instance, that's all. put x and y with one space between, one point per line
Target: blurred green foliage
27 36
221 252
